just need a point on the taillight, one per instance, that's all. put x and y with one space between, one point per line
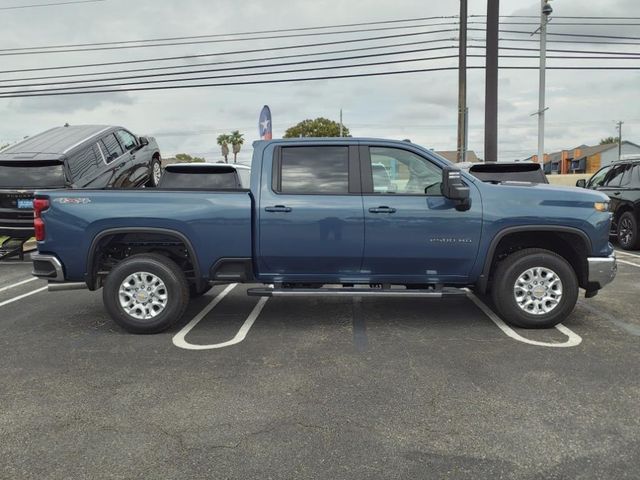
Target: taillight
39 206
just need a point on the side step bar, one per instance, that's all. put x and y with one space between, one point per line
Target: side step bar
354 292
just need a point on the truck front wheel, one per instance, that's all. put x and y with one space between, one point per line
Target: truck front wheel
146 293
534 288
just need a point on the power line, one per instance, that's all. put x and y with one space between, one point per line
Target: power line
235 75
234 34
614 37
16 7
305 79
197 42
233 52
338 59
249 67
247 60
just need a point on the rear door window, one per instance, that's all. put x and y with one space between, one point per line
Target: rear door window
314 170
83 162
635 177
127 140
111 147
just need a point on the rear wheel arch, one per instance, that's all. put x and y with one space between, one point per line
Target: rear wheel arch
157 239
570 243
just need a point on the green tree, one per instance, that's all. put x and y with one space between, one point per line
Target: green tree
224 140
186 158
608 140
236 140
319 127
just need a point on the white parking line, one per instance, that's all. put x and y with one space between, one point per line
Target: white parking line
17 284
19 297
179 338
628 263
573 338
622 252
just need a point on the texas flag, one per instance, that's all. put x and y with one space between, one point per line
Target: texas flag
264 124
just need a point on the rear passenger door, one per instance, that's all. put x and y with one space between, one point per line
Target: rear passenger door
116 162
310 214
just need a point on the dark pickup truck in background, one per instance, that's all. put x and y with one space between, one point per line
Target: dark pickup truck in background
321 217
78 156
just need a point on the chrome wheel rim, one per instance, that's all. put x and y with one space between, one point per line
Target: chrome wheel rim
157 173
538 290
625 232
143 295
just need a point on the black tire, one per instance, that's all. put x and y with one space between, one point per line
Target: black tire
628 231
153 180
515 265
163 268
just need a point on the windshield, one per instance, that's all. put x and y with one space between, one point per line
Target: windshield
31 175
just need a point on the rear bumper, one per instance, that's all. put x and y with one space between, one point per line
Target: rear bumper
47 267
602 270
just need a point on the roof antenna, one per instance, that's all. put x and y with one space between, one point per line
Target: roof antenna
66 124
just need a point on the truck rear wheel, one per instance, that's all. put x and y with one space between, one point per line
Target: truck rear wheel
534 288
146 293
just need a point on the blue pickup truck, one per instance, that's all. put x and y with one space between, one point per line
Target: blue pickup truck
341 216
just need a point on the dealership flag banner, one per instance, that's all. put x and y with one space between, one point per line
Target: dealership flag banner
264 124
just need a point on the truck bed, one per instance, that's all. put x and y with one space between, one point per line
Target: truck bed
212 221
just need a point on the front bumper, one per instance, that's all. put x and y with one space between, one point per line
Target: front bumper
602 270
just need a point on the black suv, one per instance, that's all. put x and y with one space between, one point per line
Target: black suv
621 182
79 156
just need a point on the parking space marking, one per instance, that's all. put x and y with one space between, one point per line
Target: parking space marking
17 284
19 297
622 252
573 339
179 338
628 263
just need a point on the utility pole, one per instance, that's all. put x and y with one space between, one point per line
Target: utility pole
462 84
340 122
619 125
545 11
491 83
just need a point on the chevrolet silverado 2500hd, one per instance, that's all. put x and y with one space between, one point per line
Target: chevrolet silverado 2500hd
340 216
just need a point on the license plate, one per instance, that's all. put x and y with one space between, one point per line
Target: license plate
25 203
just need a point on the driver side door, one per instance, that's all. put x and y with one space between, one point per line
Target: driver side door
412 232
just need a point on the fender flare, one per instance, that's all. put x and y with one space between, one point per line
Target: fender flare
483 280
90 273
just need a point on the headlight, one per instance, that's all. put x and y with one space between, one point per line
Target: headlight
601 206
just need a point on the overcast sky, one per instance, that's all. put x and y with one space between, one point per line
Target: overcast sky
583 105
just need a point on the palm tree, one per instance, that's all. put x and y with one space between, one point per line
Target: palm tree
236 141
223 141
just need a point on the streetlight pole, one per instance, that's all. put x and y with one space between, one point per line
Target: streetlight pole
619 124
545 11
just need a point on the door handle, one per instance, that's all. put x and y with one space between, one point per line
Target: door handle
616 193
382 209
277 208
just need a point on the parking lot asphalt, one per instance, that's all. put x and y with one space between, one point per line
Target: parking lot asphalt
317 388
